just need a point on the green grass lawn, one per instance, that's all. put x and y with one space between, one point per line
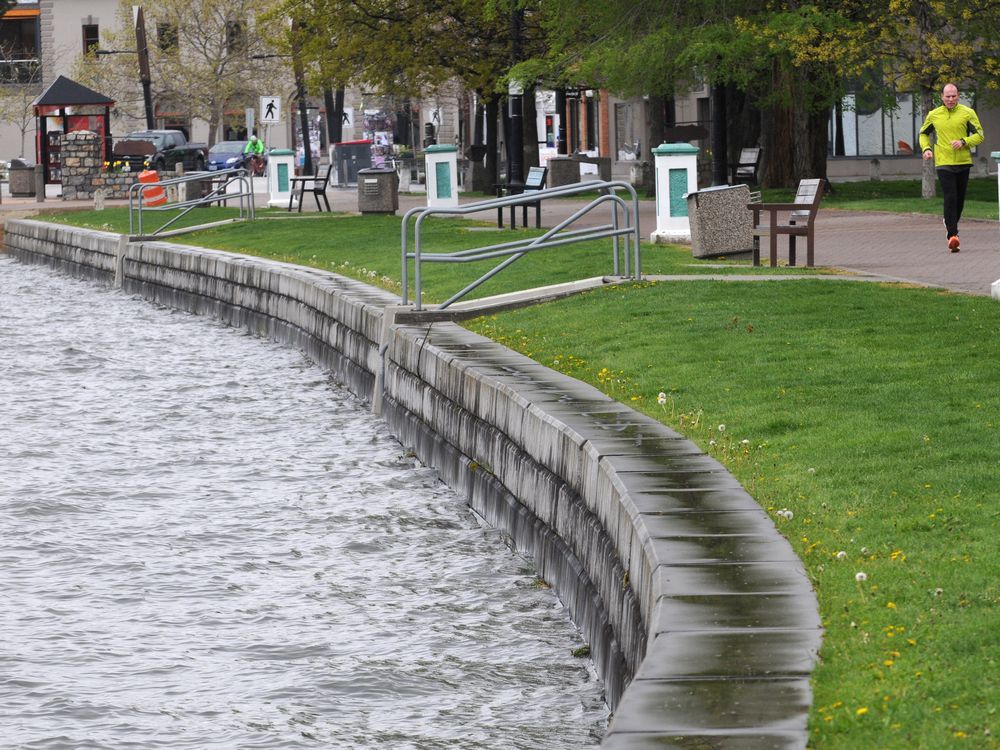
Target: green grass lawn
368 248
872 413
869 411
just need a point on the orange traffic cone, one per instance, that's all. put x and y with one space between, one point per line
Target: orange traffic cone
151 196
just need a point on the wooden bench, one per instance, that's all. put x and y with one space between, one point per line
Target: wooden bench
534 182
745 170
796 219
315 184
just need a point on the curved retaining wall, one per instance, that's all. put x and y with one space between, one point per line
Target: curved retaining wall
685 591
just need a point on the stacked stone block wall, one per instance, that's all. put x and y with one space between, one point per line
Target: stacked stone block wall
83 170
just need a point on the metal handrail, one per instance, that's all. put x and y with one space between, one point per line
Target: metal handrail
136 193
557 236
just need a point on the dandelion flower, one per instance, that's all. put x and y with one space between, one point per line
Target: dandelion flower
861 711
841 555
860 576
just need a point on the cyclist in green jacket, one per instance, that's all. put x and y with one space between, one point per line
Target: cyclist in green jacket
956 130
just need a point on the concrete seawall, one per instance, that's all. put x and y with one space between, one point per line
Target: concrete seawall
700 617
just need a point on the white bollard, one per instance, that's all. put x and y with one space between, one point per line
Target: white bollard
280 168
441 168
676 176
995 290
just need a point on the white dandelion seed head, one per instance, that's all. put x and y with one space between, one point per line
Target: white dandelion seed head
865 550
938 591
744 441
841 555
860 576
812 470
661 398
722 428
711 442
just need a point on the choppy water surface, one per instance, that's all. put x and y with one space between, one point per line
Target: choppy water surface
205 544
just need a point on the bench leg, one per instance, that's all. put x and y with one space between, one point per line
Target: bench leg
791 250
302 197
774 249
810 260
756 250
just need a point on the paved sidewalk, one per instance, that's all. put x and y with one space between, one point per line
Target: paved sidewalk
900 247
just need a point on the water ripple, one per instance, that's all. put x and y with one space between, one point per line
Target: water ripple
205 544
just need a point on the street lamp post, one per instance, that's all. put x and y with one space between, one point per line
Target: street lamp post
142 50
515 168
144 77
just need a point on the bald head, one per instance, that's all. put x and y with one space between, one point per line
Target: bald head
949 95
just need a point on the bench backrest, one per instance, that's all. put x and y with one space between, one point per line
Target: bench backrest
748 162
536 178
808 194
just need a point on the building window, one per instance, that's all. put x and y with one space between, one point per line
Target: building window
625 135
864 126
235 38
91 38
19 62
167 37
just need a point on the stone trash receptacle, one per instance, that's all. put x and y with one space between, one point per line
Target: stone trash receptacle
563 171
720 221
22 179
378 191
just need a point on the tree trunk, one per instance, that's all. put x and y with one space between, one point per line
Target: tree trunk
529 129
720 159
927 187
492 117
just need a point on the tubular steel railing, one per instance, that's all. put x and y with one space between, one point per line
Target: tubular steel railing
220 181
623 226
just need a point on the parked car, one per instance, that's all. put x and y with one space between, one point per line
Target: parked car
161 150
227 155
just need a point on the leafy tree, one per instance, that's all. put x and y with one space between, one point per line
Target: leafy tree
753 50
410 47
203 57
920 45
19 87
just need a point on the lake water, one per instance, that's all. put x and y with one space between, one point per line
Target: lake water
204 543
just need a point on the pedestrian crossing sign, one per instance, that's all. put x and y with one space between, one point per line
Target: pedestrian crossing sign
270 110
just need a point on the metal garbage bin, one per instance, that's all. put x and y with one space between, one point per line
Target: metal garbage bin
378 191
721 224
351 157
21 176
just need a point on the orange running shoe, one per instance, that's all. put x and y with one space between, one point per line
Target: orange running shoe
953 243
